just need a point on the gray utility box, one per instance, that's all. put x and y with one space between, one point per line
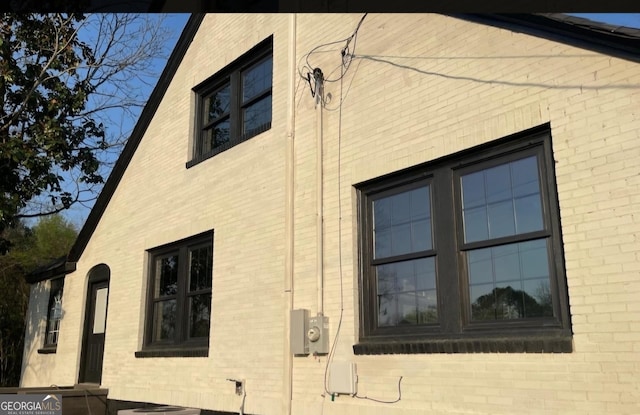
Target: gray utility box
299 326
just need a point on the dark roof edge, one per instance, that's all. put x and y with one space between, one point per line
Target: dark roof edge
56 268
140 128
617 41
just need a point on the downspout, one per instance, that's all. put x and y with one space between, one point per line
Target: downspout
289 220
319 195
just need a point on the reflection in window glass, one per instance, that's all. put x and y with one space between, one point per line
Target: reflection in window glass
164 320
217 104
200 269
256 79
55 311
502 201
407 292
402 223
256 115
166 276
510 281
199 315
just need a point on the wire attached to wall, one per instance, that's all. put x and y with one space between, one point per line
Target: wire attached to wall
381 401
308 71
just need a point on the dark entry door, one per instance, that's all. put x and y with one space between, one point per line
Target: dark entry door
95 326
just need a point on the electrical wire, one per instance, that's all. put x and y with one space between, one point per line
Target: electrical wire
381 401
347 57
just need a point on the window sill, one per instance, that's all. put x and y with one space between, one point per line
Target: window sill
48 350
481 345
166 352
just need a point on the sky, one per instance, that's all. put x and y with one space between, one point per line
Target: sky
176 22
622 19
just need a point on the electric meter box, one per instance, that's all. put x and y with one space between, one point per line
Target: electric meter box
318 334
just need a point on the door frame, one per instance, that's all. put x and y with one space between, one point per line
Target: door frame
98 275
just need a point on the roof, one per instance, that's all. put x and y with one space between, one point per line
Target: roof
619 41
55 268
615 41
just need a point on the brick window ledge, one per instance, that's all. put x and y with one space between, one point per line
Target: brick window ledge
482 345
187 352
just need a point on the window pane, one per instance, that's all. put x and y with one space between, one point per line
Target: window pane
100 311
164 320
473 190
498 183
524 177
200 269
55 311
475 224
166 282
501 219
217 104
509 196
387 310
539 301
407 292
256 115
256 79
528 214
199 315
402 223
510 281
217 135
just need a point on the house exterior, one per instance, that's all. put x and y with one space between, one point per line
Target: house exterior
378 214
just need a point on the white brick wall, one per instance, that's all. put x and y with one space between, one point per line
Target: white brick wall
421 87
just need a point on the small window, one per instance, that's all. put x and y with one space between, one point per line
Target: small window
54 312
465 249
235 104
180 281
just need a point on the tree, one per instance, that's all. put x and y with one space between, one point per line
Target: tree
49 239
70 87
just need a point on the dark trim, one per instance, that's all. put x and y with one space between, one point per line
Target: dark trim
181 343
621 42
140 128
58 268
454 306
174 352
197 159
48 349
230 76
562 344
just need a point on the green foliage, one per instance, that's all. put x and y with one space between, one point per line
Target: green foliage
63 79
49 239
44 128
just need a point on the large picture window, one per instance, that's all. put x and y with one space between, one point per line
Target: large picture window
464 254
179 306
235 104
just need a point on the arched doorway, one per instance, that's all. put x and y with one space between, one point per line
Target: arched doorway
95 324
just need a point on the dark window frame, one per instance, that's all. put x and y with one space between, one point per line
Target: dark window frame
55 285
181 345
231 76
455 332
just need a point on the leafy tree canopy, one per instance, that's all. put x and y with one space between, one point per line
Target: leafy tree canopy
62 76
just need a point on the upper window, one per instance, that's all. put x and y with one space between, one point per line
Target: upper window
54 312
466 249
179 306
235 104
